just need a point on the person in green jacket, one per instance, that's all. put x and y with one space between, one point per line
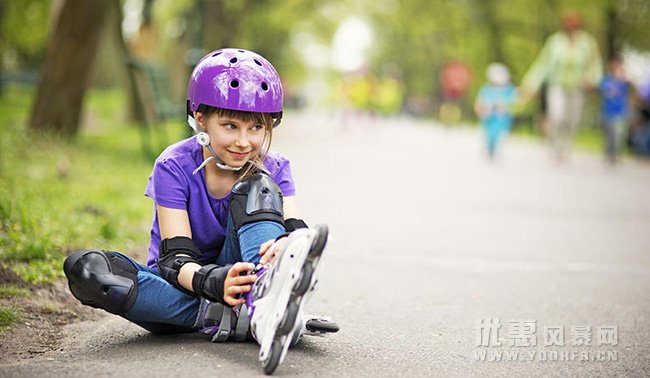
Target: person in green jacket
570 65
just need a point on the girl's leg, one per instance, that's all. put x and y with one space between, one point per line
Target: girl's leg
121 286
252 235
244 245
159 307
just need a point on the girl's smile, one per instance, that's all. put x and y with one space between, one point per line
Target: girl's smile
239 155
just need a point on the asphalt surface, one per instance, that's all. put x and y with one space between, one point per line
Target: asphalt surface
436 256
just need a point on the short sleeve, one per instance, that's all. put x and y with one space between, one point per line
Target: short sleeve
284 179
280 169
168 185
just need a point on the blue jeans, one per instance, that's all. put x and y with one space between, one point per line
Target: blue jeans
161 308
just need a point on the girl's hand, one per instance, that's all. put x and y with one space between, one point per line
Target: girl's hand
271 249
236 284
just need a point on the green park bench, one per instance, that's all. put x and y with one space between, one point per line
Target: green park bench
25 77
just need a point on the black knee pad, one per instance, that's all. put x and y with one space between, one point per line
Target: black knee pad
102 279
256 198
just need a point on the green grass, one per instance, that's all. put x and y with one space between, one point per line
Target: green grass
8 316
12 291
58 195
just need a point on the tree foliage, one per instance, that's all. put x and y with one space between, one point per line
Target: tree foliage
416 36
422 35
23 30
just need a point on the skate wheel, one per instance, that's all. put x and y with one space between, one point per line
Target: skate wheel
305 280
321 326
289 320
271 363
319 243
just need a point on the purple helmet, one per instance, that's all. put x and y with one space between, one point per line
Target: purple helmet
235 79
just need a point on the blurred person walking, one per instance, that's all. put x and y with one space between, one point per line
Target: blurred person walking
494 105
615 91
639 135
570 65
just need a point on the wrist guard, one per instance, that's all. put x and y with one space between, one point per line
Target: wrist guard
290 225
293 224
173 254
208 282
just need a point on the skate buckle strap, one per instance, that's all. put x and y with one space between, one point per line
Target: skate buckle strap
221 322
242 323
224 327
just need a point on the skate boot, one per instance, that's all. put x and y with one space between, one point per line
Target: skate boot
222 323
275 303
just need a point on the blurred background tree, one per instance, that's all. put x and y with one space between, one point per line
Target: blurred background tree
67 67
410 39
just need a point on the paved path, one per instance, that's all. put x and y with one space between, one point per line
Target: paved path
427 240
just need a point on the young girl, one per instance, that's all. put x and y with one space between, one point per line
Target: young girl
224 206
494 106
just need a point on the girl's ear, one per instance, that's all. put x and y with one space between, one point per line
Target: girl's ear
200 119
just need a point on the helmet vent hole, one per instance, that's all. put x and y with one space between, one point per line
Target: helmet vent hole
265 87
257 62
234 84
219 53
233 60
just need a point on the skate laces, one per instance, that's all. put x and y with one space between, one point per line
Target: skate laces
263 273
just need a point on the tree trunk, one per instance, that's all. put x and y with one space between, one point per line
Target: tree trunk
135 102
221 22
67 68
494 30
612 44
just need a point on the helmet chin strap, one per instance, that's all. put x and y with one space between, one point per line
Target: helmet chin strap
204 140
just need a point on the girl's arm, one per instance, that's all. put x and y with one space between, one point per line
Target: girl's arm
173 222
176 222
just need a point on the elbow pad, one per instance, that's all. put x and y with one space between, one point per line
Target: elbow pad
173 254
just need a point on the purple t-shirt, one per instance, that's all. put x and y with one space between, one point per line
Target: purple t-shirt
172 184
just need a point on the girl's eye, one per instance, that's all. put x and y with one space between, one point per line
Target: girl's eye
230 126
257 127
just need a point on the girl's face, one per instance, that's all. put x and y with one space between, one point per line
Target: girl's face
234 140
